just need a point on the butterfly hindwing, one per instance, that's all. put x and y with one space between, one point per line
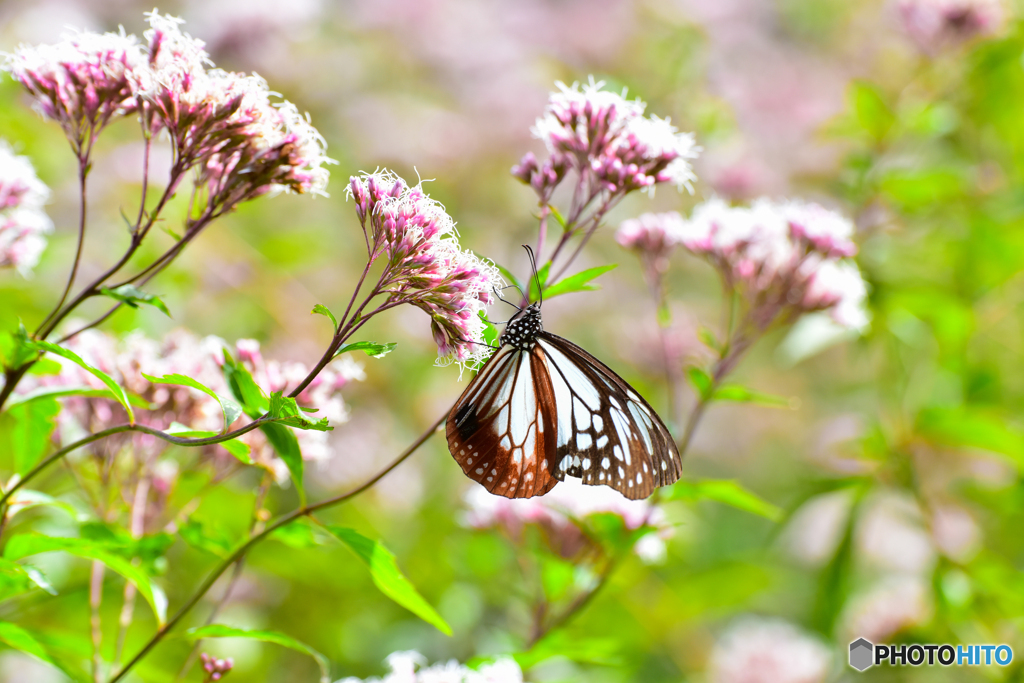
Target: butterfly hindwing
503 426
606 432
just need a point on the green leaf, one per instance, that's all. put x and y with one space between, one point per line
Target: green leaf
201 536
287 447
24 545
557 575
739 394
557 215
490 331
23 499
372 349
298 534
85 392
288 412
541 278
26 428
230 407
20 639
16 579
132 296
871 110
17 348
558 643
700 380
972 429
724 491
244 388
115 389
320 309
708 338
388 577
233 446
578 282
222 631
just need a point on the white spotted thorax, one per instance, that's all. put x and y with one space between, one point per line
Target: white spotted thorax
521 332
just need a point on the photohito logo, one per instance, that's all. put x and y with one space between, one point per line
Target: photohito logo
865 654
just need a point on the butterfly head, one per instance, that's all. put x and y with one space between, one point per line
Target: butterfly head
522 330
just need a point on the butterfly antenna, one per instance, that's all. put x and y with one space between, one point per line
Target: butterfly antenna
498 291
536 274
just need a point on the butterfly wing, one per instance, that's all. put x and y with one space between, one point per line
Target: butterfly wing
502 429
606 432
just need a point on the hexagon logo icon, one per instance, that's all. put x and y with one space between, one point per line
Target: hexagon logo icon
861 654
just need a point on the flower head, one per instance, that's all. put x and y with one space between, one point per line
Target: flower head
411 667
653 235
215 668
224 124
607 138
785 258
562 515
22 221
425 264
937 24
756 650
82 82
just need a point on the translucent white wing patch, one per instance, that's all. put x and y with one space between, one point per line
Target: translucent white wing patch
606 433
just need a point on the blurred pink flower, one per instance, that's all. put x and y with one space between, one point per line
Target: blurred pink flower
82 82
216 668
411 667
784 258
562 514
22 220
425 264
891 535
893 605
938 24
758 650
609 142
652 234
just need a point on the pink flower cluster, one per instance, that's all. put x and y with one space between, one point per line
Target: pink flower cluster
608 140
216 668
937 24
784 258
654 236
758 650
181 352
221 124
22 220
562 514
411 667
82 82
425 264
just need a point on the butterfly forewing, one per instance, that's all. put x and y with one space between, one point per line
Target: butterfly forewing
503 425
606 432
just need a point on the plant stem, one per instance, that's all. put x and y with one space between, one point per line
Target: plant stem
253 540
96 625
83 172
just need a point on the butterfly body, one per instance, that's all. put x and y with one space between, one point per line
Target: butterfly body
542 409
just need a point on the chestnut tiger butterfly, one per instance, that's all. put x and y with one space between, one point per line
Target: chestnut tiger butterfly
541 408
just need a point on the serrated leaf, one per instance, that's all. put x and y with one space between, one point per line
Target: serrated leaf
580 282
740 394
24 545
320 309
388 577
724 491
244 388
233 446
27 429
118 392
371 348
222 631
132 296
700 380
228 405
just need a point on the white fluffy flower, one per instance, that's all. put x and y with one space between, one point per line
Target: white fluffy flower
757 650
23 223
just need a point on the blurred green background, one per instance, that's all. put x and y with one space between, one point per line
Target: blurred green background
897 463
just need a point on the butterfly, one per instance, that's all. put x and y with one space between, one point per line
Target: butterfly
541 408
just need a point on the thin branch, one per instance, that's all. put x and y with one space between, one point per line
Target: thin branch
83 172
253 540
